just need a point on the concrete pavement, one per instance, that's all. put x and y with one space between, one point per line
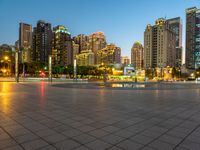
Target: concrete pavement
42 116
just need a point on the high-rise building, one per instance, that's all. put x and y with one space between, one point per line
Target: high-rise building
159 45
62 49
97 41
25 41
85 58
83 42
175 24
192 38
125 60
42 42
137 55
109 55
75 49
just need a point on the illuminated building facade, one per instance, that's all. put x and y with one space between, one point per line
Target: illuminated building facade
83 42
75 49
97 41
109 55
192 38
159 45
85 58
42 42
137 55
25 42
6 59
62 48
125 60
93 50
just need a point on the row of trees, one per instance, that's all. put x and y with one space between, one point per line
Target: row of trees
151 73
82 71
34 69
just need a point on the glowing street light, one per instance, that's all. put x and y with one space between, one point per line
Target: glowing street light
6 58
4 70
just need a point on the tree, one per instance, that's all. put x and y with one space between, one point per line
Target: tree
69 69
83 70
149 73
32 68
58 70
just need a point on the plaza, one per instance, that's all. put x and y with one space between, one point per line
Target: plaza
64 116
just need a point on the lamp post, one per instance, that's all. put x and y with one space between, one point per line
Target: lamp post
6 69
50 68
23 70
75 70
17 66
22 55
104 72
6 58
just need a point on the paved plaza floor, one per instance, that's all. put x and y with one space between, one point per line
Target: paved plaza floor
49 117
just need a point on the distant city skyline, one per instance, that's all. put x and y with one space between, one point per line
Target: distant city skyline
123 22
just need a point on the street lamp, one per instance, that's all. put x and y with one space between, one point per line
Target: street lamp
75 70
17 66
192 74
6 57
4 70
6 65
50 68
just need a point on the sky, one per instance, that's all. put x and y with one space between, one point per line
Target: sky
122 21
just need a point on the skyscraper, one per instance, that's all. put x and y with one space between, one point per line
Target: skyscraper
62 49
42 38
137 55
159 45
175 25
83 42
109 55
192 38
25 41
97 41
75 49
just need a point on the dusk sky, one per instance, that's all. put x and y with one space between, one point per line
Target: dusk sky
122 21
